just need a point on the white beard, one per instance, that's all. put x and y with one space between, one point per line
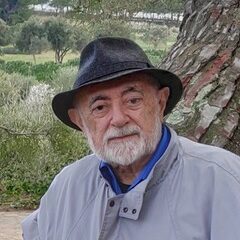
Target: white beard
128 151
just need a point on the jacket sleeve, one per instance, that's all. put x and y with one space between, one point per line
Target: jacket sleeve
30 227
225 213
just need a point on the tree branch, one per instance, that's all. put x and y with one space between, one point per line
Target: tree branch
26 134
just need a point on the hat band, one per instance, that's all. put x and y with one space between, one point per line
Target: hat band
104 70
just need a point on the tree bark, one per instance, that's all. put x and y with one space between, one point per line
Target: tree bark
206 56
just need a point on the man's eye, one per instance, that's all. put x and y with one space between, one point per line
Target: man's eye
100 110
134 101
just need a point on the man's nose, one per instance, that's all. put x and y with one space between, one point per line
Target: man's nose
119 116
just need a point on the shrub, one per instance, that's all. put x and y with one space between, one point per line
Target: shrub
44 71
72 62
34 145
64 78
13 88
21 67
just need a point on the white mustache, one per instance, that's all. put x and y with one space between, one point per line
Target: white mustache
115 133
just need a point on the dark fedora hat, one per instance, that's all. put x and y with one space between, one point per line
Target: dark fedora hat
108 58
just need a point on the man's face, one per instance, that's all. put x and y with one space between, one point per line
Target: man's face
121 119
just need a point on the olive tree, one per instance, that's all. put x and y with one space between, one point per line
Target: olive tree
60 34
31 38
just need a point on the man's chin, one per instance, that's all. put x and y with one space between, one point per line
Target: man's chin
120 163
123 160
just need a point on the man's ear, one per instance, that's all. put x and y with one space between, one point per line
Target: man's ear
75 117
163 95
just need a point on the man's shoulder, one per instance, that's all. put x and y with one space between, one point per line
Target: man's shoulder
81 166
77 173
69 193
210 157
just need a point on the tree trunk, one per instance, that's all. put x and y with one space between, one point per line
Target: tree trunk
34 58
207 58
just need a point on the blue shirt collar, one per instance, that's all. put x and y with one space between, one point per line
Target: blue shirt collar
107 171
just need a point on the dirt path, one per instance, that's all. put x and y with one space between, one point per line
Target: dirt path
10 228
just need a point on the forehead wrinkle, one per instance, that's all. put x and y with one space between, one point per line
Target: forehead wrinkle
132 89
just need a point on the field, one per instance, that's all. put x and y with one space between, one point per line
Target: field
40 58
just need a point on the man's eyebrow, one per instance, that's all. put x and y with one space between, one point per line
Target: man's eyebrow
96 98
132 89
103 97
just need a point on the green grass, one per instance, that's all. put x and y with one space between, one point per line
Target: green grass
40 58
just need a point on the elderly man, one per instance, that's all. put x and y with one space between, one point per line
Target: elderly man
142 180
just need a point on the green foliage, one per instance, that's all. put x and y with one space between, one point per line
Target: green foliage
31 38
43 72
97 10
15 11
110 27
21 67
64 78
36 36
28 164
164 6
14 33
72 62
155 56
156 34
13 88
112 9
41 1
4 33
81 36
34 146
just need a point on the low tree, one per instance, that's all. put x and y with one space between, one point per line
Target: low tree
31 38
61 37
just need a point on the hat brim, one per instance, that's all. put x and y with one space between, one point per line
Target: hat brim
62 102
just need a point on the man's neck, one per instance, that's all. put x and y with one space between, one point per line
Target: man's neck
126 174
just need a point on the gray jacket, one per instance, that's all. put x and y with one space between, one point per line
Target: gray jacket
192 193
